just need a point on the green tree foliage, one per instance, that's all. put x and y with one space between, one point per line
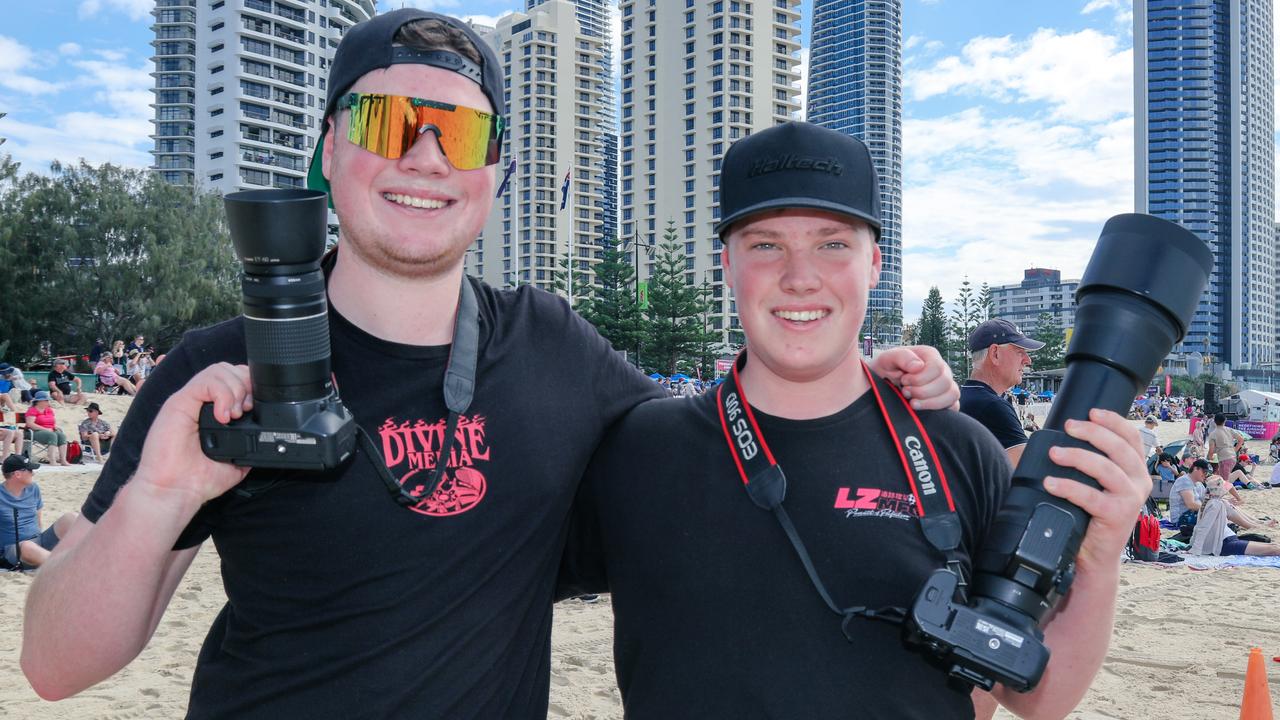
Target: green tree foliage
932 328
675 318
109 252
883 325
610 303
1049 332
986 304
966 314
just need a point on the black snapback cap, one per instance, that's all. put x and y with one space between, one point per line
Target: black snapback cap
798 165
370 46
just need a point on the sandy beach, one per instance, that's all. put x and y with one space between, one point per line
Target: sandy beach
1180 646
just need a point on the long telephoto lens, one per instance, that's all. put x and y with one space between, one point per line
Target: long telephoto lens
279 236
1135 301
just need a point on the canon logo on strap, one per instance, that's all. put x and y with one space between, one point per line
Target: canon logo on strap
912 443
738 426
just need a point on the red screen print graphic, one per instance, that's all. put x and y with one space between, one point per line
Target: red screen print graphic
411 449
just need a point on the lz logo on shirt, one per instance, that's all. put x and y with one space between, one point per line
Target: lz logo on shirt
874 502
412 449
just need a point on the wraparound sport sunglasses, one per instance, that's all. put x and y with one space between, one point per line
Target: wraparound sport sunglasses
390 124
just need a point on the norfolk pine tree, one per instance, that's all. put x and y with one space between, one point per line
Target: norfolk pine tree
674 318
611 305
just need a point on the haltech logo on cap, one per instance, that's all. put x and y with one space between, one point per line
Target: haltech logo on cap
795 162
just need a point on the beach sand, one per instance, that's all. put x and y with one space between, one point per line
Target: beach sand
1180 645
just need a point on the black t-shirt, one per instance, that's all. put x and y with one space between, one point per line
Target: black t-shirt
714 614
343 604
980 402
64 381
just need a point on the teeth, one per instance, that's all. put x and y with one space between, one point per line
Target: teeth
414 201
801 316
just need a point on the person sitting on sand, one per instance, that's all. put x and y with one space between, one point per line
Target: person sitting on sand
95 431
1213 537
109 378
20 498
44 428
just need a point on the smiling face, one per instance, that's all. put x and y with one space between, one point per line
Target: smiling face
417 215
801 279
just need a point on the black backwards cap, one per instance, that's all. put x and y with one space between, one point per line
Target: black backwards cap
798 165
370 46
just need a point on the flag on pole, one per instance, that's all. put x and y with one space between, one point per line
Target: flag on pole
506 178
564 189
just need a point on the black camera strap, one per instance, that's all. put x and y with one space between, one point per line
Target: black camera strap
765 483
459 389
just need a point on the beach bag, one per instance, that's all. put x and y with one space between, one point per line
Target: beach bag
1144 541
74 454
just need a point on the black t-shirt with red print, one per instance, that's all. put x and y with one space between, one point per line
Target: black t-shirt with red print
342 603
714 614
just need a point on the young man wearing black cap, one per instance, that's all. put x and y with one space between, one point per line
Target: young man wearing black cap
999 352
21 510
343 603
742 532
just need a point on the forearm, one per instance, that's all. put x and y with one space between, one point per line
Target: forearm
94 604
1077 636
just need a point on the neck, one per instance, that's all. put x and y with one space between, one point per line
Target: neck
803 398
983 374
412 311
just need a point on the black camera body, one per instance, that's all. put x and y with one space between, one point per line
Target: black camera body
1135 301
298 421
311 435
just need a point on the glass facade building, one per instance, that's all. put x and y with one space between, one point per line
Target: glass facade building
1205 158
855 86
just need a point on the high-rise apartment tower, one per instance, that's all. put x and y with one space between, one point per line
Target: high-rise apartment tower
1204 127
855 86
557 89
695 76
240 88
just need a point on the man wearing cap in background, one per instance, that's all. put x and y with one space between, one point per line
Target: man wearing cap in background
21 509
96 431
999 352
737 593
64 386
343 602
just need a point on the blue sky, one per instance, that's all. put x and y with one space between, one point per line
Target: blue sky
1018 119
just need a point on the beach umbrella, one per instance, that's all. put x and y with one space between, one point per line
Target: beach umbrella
655 376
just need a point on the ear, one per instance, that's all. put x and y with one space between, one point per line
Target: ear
326 157
875 262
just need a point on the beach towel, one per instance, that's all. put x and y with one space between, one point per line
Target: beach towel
1210 562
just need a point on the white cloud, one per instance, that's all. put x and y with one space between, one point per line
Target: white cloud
14 58
987 197
69 48
489 20
1082 76
134 9
112 55
112 125
1122 10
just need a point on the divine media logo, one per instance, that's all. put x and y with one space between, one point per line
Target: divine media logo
411 449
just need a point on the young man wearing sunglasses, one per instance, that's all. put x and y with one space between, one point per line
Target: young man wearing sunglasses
744 534
341 602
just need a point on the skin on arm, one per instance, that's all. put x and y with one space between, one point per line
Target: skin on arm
94 605
1078 631
1189 500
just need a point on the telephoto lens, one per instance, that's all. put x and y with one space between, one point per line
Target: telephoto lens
1135 301
297 421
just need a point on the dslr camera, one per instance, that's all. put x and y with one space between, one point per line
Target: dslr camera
298 421
1135 301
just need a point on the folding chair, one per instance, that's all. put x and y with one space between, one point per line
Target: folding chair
29 443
